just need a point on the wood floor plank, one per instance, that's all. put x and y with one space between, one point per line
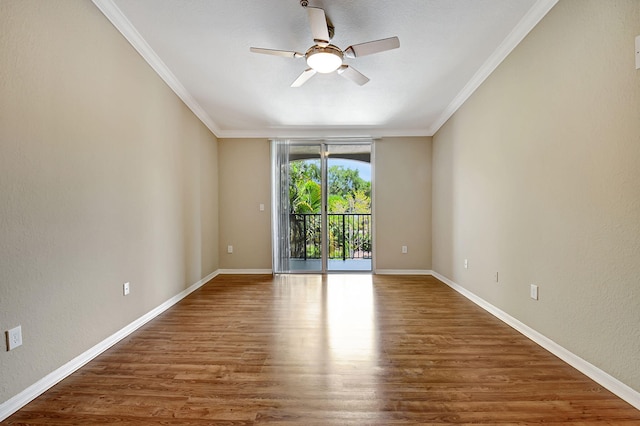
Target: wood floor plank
326 350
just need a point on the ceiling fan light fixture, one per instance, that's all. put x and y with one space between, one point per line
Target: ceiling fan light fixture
324 59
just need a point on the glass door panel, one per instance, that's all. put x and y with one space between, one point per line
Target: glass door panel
349 224
306 244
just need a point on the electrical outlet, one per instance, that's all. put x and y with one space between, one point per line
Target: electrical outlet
125 289
534 292
466 264
14 338
405 250
229 249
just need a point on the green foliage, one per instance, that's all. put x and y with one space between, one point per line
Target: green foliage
305 170
349 195
307 197
348 192
337 204
305 193
350 187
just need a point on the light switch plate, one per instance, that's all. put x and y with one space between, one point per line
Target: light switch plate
534 292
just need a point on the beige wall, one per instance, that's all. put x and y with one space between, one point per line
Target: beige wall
402 186
537 176
402 178
245 183
105 177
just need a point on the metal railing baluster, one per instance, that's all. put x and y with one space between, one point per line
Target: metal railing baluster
355 241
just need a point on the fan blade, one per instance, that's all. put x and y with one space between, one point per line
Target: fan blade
352 74
302 79
285 53
319 27
371 47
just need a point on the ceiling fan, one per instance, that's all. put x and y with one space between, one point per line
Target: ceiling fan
324 57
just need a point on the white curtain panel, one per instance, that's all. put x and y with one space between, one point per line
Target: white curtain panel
280 204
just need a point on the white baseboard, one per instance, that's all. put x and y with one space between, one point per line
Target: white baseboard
606 380
403 272
12 405
246 271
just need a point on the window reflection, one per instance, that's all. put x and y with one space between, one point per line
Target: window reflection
351 318
325 324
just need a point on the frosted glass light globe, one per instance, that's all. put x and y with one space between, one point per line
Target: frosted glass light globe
324 59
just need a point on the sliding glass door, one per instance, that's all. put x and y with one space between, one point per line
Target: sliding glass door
321 206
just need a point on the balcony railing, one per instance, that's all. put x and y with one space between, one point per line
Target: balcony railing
349 236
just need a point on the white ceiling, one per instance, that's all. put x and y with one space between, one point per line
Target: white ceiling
201 49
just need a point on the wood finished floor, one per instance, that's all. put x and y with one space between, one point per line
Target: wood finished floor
336 350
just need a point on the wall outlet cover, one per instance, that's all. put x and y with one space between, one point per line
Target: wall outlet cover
14 338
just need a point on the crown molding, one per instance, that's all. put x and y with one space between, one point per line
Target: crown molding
524 27
126 28
298 132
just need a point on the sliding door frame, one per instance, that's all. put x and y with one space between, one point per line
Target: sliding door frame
280 230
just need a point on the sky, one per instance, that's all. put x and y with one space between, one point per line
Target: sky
363 168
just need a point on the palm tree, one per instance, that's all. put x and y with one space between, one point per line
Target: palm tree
305 197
